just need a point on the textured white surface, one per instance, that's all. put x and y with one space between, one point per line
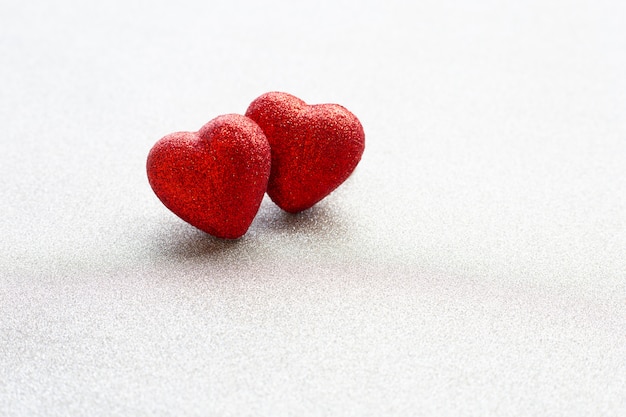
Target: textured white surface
474 264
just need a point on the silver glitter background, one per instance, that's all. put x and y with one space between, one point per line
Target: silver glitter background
474 264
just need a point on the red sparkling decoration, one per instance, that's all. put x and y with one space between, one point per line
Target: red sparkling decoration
215 178
315 148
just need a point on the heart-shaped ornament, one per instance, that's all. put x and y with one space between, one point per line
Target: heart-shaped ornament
315 148
213 179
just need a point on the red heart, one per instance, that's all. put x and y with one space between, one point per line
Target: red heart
215 178
315 148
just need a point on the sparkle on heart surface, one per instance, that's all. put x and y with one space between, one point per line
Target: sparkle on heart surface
215 178
315 148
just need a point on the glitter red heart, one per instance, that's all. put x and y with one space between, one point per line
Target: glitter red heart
315 148
215 178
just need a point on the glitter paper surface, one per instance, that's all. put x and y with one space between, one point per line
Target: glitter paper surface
314 148
214 179
472 265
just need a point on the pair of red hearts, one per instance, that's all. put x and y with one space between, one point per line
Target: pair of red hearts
215 178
